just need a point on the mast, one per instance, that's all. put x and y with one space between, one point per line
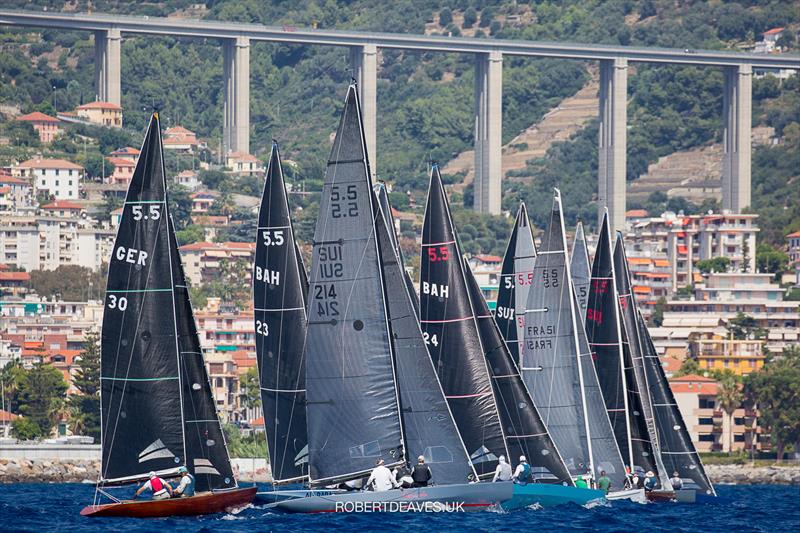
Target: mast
580 269
279 305
140 368
525 432
605 337
451 333
352 404
628 307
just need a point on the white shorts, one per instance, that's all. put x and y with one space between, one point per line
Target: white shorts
161 495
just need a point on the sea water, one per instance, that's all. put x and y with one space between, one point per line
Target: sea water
39 508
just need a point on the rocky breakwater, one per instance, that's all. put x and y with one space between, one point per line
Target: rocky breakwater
48 471
754 475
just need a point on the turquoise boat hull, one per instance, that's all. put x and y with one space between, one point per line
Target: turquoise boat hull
547 495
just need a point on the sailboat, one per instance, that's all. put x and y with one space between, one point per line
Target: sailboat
157 409
672 446
525 432
362 348
451 332
643 425
280 289
611 351
558 370
515 281
580 269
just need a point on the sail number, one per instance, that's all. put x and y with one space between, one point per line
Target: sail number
438 253
325 298
550 278
153 212
595 315
262 328
115 302
430 339
273 237
344 205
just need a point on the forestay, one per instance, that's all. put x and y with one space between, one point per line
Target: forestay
451 333
524 430
352 405
279 301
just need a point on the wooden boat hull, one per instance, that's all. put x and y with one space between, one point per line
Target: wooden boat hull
548 495
660 495
205 503
454 498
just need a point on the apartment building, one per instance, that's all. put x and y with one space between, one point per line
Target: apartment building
180 139
123 170
244 164
56 177
202 261
102 113
793 244
19 192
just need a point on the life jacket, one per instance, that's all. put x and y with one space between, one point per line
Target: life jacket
421 474
156 485
525 475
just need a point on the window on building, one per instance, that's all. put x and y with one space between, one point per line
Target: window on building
738 438
705 438
706 403
739 421
56 172
705 421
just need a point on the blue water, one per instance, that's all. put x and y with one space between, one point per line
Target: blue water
55 507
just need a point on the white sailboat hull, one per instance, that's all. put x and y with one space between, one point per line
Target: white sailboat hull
634 495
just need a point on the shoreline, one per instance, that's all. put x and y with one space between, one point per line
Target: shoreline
87 471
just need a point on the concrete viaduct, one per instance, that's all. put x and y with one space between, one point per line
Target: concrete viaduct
488 53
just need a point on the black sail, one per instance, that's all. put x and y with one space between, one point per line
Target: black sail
605 336
579 268
141 407
525 432
557 366
279 302
450 330
644 435
206 452
427 421
352 406
386 210
515 281
675 445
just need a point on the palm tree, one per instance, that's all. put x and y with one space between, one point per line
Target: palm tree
729 399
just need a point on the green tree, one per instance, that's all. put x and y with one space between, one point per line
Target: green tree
769 259
11 377
25 429
22 134
96 165
180 206
470 17
715 264
658 312
85 407
41 395
690 366
250 389
743 327
729 399
445 17
775 389
190 234
70 282
487 14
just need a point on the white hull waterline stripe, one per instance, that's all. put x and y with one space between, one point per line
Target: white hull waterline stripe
462 319
282 390
139 379
477 395
139 290
438 243
274 227
525 436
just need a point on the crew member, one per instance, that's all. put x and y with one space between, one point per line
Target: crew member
503 470
402 474
381 478
161 489
185 487
522 474
676 481
604 483
422 473
650 481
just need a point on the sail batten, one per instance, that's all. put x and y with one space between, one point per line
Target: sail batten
279 300
451 333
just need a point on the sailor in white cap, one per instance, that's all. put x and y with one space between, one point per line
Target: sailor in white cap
381 478
522 474
160 488
503 470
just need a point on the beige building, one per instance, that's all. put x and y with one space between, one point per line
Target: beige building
46 126
103 113
123 170
180 139
202 260
242 163
20 191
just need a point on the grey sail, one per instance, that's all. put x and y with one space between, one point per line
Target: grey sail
451 333
557 365
639 386
525 432
279 314
386 209
428 425
580 269
675 444
352 407
515 281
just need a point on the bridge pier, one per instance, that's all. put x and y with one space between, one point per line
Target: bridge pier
488 132
236 113
737 109
612 141
107 59
364 62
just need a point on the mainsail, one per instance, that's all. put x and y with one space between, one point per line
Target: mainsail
557 365
579 268
450 331
643 426
675 445
525 432
386 210
156 405
604 333
352 405
428 424
515 281
279 303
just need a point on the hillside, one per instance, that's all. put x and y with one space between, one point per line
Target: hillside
425 100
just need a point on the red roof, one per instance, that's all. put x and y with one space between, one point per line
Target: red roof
488 258
795 234
36 116
773 31
692 378
14 276
4 190
257 421
100 105
178 130
636 213
5 416
125 151
63 204
120 162
50 163
13 180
